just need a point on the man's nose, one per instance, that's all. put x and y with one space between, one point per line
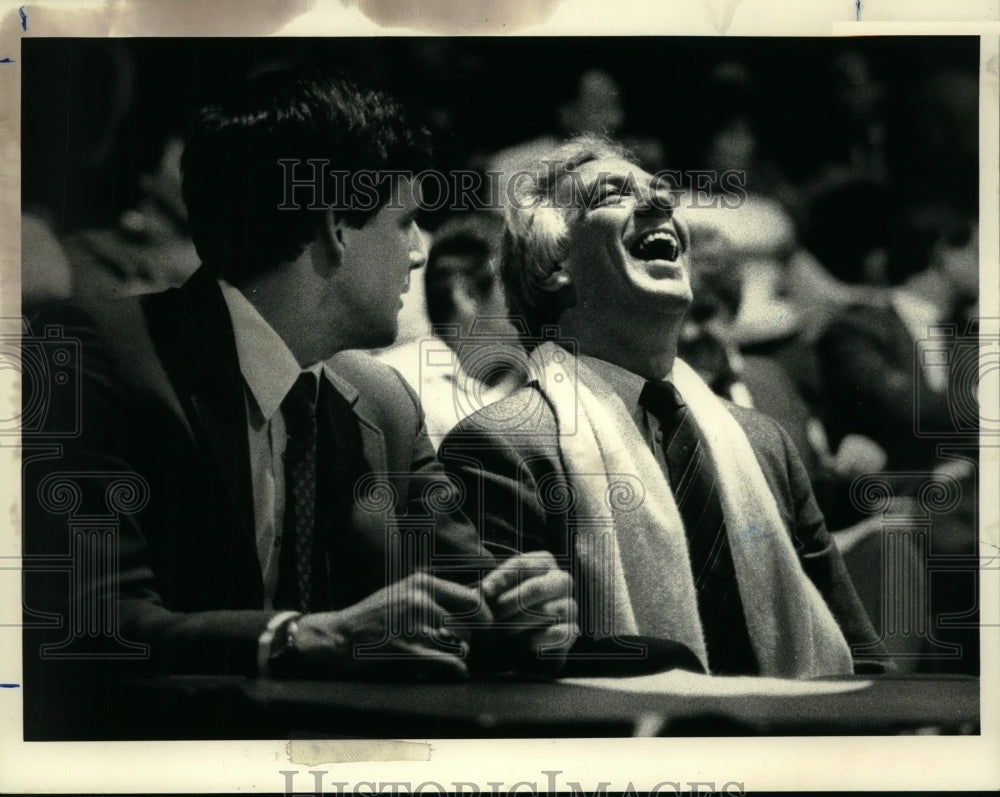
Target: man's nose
654 201
419 247
653 207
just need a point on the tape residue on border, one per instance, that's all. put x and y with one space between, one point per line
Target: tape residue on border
338 751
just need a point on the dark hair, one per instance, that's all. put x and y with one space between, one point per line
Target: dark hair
475 238
914 234
844 223
233 181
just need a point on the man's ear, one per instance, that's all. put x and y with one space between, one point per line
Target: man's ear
558 280
333 238
561 287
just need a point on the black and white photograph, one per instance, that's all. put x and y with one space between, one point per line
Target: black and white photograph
377 390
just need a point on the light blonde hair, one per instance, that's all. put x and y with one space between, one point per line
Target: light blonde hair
537 227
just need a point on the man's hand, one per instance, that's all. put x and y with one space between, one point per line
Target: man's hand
397 632
534 611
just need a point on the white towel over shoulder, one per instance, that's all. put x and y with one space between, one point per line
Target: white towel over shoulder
630 539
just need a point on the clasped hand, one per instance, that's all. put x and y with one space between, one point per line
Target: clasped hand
521 616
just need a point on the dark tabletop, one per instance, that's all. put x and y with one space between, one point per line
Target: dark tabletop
200 707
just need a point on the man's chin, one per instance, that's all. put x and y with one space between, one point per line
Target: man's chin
378 337
670 296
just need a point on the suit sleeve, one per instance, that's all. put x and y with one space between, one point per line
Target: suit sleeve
825 567
870 386
504 487
89 507
457 548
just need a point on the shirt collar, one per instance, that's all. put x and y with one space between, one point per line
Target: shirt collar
623 382
267 364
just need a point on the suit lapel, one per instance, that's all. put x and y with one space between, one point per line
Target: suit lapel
206 370
355 539
372 439
226 434
373 444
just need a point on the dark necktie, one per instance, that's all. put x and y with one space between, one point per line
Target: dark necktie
299 410
692 480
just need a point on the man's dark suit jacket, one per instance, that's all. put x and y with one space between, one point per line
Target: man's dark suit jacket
162 397
877 387
508 461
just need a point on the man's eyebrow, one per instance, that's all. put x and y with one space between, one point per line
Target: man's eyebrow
605 180
659 186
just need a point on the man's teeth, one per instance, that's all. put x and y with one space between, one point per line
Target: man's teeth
656 235
657 244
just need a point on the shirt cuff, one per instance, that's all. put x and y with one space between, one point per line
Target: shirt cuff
265 640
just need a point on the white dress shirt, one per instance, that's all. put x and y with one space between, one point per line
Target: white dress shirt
269 371
628 387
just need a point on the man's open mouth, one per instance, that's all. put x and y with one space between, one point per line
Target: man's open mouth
656 245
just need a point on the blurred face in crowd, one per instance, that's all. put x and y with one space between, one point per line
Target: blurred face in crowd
626 252
716 281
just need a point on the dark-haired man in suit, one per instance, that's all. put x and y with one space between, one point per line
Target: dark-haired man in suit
878 386
688 523
288 511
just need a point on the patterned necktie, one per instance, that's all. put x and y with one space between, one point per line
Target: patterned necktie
299 409
692 480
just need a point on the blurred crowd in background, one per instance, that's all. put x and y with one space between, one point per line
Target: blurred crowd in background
856 239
